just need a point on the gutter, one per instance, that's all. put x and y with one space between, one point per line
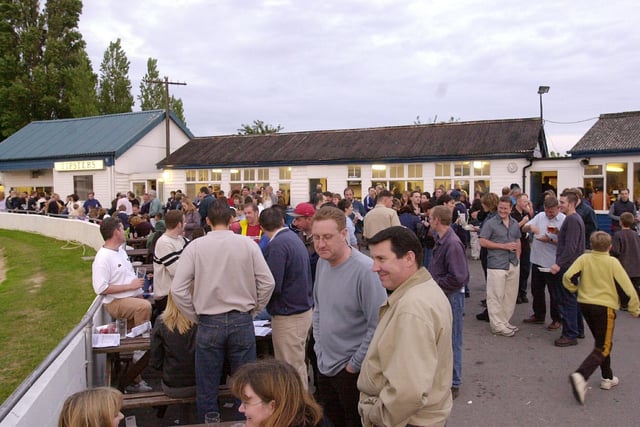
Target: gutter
524 175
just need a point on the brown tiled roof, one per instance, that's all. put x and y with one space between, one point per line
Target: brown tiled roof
612 133
480 139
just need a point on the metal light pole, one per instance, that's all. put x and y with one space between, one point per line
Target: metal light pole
542 90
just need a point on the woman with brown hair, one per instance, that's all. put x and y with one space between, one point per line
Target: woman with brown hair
191 217
272 395
97 407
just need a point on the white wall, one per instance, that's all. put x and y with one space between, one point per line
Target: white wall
57 228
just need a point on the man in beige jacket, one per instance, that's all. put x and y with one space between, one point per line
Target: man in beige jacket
405 379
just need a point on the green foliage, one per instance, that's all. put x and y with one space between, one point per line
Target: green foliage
115 87
258 128
46 292
153 94
83 101
40 52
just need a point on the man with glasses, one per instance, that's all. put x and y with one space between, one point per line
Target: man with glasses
347 295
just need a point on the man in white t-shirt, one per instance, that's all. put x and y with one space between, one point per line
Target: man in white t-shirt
113 277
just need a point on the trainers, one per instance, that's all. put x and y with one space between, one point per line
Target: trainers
579 386
505 333
141 387
607 383
513 327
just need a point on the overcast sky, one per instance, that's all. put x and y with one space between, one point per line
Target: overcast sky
310 65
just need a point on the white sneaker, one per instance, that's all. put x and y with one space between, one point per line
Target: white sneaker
514 328
607 383
505 333
579 386
141 387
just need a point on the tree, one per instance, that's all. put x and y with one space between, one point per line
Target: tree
258 128
83 100
152 94
21 44
40 53
114 91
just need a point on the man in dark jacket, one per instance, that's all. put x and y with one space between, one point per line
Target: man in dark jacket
620 206
450 271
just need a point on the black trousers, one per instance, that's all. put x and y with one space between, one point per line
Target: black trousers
601 321
339 396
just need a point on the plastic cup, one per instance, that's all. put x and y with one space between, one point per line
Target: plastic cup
121 327
141 272
212 418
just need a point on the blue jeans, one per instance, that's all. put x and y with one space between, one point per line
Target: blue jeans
456 300
572 323
427 256
229 334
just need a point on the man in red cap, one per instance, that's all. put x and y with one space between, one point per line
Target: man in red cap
302 220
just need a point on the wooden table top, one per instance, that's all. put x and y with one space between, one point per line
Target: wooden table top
127 345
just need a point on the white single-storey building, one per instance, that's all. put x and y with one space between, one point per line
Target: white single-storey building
101 154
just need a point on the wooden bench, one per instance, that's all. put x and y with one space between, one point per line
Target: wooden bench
159 400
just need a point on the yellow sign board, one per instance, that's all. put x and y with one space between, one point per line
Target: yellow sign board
79 165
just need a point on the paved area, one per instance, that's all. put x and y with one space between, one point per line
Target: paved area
523 380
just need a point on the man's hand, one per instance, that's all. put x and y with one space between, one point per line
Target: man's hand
555 268
349 369
136 284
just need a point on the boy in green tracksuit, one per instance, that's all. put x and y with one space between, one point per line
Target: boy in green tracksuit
598 301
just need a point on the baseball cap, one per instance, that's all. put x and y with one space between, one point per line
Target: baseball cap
303 209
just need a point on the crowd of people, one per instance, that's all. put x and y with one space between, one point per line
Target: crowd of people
349 283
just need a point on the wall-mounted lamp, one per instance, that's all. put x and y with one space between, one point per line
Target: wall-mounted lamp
585 162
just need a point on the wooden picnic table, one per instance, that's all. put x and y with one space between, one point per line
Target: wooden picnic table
115 373
142 254
137 242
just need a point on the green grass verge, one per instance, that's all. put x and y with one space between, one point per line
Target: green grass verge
46 292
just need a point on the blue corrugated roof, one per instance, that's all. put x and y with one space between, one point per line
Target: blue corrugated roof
88 136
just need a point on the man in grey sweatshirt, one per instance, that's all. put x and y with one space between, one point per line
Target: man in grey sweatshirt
347 296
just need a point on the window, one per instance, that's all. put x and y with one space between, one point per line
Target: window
353 172
616 181
235 175
190 175
481 168
593 184
379 171
415 171
284 173
443 169
396 171
263 175
82 185
203 175
216 174
249 174
462 168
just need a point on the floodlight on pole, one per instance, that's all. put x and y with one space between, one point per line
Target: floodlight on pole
542 90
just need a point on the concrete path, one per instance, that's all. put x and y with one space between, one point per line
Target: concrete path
523 380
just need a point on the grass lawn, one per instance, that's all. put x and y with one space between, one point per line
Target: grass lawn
46 292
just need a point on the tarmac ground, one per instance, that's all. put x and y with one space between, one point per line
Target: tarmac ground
518 381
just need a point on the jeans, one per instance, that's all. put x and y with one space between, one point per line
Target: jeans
427 256
456 300
572 323
229 334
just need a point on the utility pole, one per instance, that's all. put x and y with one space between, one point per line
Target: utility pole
166 84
